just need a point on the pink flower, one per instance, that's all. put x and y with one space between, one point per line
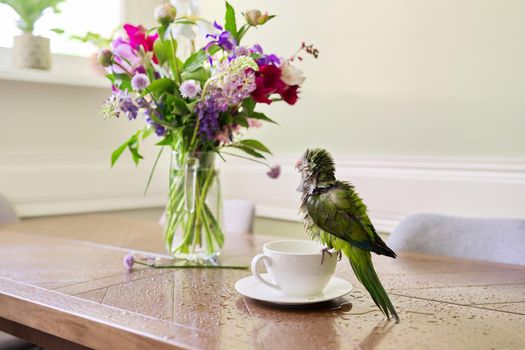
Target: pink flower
274 172
126 58
223 136
189 89
254 123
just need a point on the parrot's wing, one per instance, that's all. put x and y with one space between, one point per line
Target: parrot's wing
339 211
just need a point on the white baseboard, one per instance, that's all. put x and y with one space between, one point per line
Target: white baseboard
61 183
392 187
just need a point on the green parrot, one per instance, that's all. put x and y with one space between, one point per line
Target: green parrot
335 215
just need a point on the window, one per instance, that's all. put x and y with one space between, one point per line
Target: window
76 18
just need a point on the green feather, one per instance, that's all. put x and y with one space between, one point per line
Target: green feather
334 214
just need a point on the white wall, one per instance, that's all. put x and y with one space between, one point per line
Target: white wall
421 101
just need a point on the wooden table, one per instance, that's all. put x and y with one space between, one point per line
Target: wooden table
65 293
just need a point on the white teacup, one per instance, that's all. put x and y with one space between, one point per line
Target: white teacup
295 268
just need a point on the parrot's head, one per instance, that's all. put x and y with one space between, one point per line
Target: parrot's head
316 165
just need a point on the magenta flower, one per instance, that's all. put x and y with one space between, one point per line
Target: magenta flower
128 261
274 172
137 37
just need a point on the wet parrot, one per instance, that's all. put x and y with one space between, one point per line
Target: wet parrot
335 215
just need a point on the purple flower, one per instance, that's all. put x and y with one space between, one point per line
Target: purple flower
256 49
274 172
189 89
159 129
268 59
139 82
128 107
265 59
225 39
208 113
128 261
239 51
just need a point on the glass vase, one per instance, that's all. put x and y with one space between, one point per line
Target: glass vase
193 215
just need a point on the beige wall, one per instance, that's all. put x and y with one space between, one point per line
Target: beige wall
411 77
442 78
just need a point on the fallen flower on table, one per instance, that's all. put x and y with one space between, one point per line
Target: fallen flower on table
172 263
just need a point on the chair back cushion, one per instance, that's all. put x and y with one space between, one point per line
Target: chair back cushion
496 240
7 212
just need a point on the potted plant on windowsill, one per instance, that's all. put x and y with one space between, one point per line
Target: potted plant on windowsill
31 51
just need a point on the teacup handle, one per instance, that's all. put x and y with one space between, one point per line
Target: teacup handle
255 262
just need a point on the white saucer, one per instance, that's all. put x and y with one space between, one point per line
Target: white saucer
252 288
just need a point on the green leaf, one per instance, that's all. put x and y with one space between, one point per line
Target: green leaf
254 144
179 106
135 154
229 20
248 105
196 60
248 150
240 120
199 74
166 141
118 152
162 50
162 31
133 146
160 86
191 106
261 116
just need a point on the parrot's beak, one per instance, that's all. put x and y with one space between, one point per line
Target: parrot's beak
298 164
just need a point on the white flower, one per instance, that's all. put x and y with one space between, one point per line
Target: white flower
189 9
189 88
291 75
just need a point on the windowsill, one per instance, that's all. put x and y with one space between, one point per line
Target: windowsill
65 70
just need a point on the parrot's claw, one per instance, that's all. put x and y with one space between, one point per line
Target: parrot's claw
324 251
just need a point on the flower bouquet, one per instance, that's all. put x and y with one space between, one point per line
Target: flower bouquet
198 106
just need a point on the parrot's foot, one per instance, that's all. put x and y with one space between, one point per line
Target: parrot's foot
324 251
340 255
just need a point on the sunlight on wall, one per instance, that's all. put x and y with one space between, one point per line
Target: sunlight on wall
76 18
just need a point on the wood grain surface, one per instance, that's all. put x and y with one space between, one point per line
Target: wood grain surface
75 289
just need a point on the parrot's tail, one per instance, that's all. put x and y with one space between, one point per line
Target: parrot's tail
361 262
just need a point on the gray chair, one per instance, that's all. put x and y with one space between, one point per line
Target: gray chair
7 212
496 240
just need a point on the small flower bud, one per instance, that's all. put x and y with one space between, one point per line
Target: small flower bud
105 57
256 17
263 18
252 17
165 13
